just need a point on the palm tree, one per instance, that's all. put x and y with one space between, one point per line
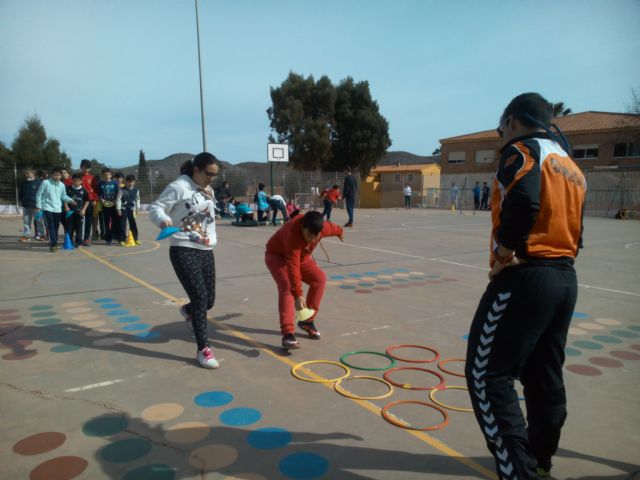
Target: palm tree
559 110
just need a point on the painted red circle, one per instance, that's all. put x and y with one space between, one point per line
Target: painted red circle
623 355
400 285
39 443
7 311
606 362
60 468
636 347
584 370
362 290
23 355
9 318
382 289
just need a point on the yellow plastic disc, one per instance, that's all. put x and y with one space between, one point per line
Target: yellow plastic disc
432 396
348 394
324 380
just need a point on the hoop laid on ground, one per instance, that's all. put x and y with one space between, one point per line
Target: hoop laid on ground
444 362
408 386
391 359
432 396
390 417
299 377
432 350
348 394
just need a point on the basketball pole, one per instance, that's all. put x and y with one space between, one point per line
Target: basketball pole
204 135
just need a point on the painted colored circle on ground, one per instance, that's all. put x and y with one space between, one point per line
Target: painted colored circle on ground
635 328
187 432
21 355
245 476
162 412
385 277
9 318
584 370
105 426
269 438
47 321
39 443
355 275
623 355
237 417
606 339
213 457
465 336
572 352
117 313
126 450
371 274
59 468
606 362
384 282
303 466
136 326
78 310
420 274
368 279
580 315
43 314
73 304
148 335
348 287
401 280
590 326
337 277
382 289
587 344
92 324
350 281
83 317
334 283
37 308
128 319
401 275
400 285
64 348
107 342
636 347
608 321
387 270
625 334
213 399
365 284
104 300
151 472
362 290
108 306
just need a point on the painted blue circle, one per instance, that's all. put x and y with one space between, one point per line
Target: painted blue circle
401 280
465 336
635 327
237 417
115 313
269 438
402 270
355 275
128 319
104 300
148 335
365 284
136 326
212 399
337 277
303 466
110 305
580 315
572 352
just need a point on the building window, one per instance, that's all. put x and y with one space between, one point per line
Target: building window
410 178
585 151
628 149
396 178
485 156
456 157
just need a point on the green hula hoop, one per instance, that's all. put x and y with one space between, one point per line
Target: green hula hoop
358 352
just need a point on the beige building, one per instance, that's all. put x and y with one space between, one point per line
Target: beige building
383 187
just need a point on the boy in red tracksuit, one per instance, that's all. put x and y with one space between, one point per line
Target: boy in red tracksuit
330 198
288 258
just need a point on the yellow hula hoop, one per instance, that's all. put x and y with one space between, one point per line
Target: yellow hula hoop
442 363
348 394
324 380
432 396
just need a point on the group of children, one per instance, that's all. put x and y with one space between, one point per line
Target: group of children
88 208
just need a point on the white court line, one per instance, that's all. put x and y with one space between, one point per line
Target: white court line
629 245
608 290
456 263
102 384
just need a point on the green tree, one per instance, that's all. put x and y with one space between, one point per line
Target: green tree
301 115
143 170
31 148
361 135
559 110
6 156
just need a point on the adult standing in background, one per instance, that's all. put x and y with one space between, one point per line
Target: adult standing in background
520 328
453 195
476 197
484 203
349 193
407 196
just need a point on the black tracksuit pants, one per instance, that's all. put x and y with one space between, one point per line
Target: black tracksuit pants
519 332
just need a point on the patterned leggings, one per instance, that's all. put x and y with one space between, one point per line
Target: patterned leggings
196 270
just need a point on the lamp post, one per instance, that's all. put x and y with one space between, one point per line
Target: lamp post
204 135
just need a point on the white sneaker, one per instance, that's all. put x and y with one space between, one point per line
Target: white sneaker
206 358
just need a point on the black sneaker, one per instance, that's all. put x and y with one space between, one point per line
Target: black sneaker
289 341
309 327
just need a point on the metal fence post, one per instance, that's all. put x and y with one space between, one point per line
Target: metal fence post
15 182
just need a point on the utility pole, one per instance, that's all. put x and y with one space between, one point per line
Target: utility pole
204 135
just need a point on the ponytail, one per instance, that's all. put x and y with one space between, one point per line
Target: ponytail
201 161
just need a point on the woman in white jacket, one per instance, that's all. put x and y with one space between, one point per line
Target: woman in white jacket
189 204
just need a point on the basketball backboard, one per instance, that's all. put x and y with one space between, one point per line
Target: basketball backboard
277 152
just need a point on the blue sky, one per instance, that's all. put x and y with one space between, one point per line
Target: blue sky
111 77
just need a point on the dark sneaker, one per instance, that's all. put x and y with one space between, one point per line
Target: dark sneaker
309 327
289 341
348 224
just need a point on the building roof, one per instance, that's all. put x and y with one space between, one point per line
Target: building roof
585 122
422 168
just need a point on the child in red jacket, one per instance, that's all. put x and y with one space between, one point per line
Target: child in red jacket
288 258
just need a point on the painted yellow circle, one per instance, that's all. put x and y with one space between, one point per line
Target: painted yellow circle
416 273
368 279
187 432
385 277
332 283
576 331
590 326
162 411
92 323
318 378
73 304
432 396
608 321
401 275
78 310
84 316
245 476
351 281
213 457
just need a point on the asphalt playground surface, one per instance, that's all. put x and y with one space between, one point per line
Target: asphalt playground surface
99 378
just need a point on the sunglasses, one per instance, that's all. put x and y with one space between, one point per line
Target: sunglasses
210 174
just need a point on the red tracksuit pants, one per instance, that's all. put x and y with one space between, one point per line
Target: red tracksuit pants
311 275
